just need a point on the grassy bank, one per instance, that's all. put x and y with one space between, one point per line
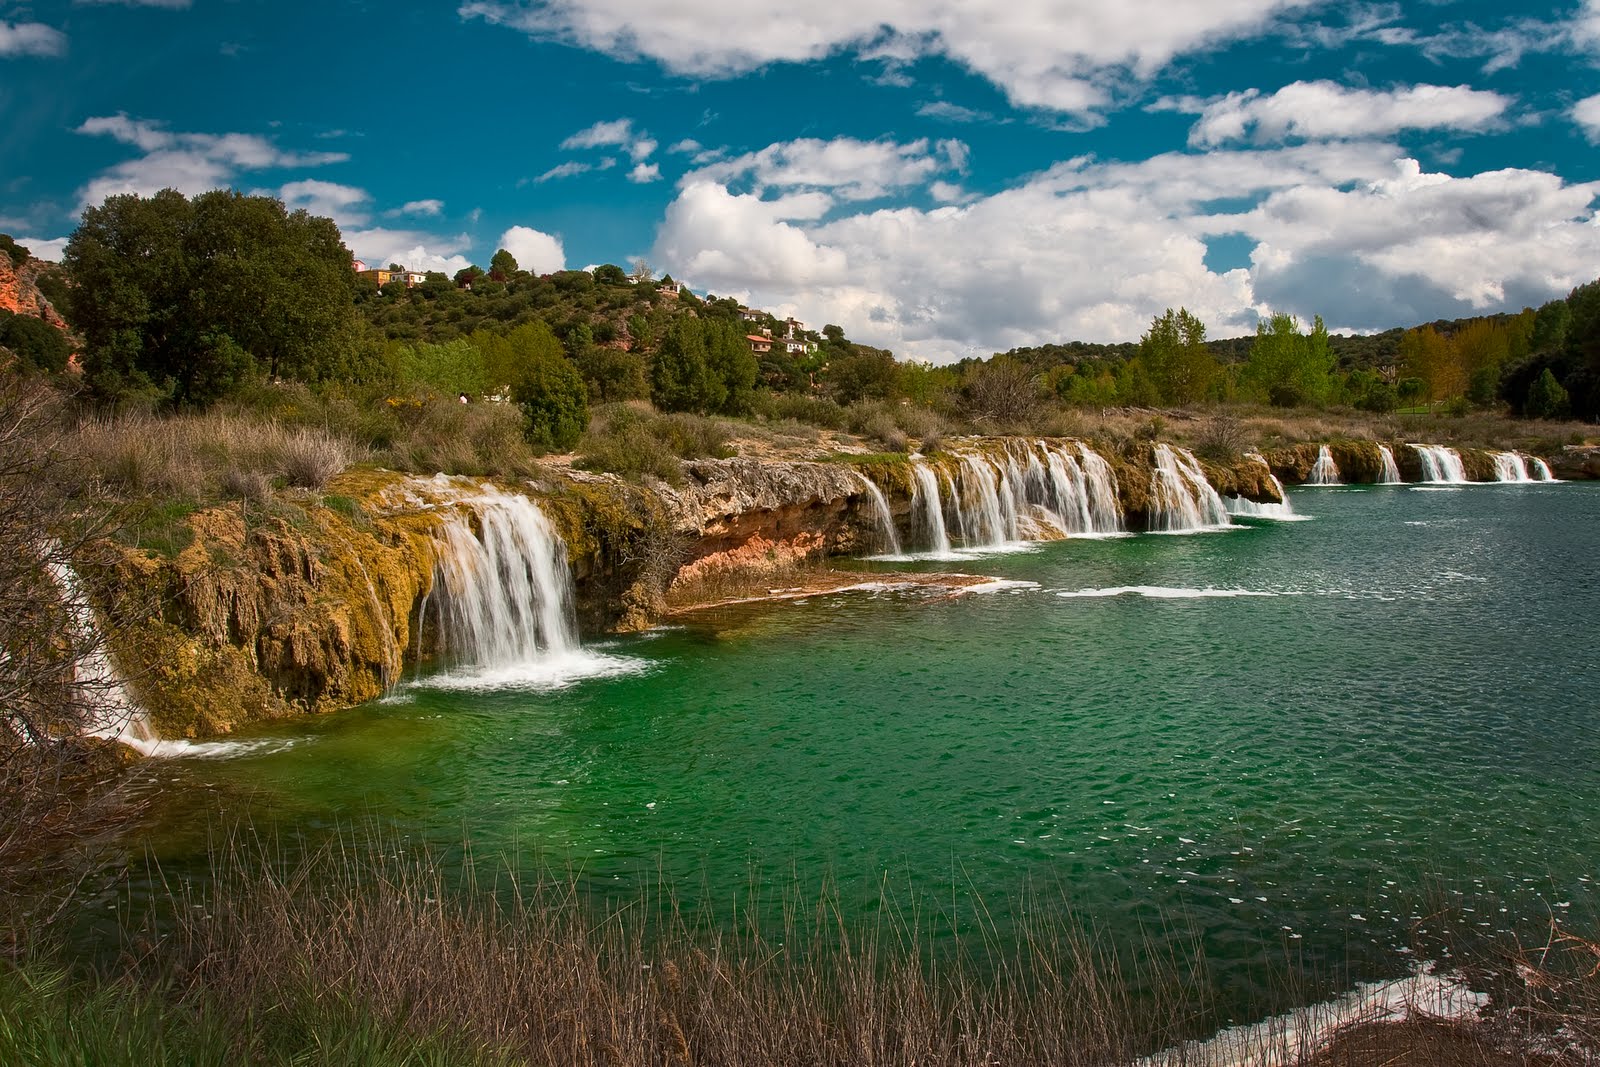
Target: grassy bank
367 952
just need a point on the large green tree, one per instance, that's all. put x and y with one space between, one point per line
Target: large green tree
1175 356
730 361
681 378
187 299
1287 367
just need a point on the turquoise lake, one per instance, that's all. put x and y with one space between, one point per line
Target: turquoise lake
1385 711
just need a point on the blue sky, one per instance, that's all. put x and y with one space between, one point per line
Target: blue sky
943 178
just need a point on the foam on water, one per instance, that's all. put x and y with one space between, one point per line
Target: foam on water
1164 592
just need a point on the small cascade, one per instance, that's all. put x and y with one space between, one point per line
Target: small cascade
1391 470
1325 471
504 591
113 714
1284 511
1073 492
927 510
1181 499
888 538
1510 467
983 520
1105 509
1541 471
1441 465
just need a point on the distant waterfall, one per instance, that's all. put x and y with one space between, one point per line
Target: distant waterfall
927 509
113 714
1441 465
1391 470
1326 471
1510 467
1541 470
1238 505
1181 499
884 518
503 590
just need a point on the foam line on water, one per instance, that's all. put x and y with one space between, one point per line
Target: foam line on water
1163 592
552 671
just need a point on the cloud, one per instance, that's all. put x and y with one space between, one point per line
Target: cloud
644 173
1586 113
616 133
1093 250
688 146
601 134
568 169
944 109
535 251
411 248
417 207
188 162
1324 110
846 168
344 204
1063 55
49 249
31 39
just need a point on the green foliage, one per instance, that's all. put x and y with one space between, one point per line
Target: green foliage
1286 367
610 274
18 254
502 265
37 343
632 442
1550 326
681 377
553 400
1173 351
455 368
187 298
731 363
862 373
1547 399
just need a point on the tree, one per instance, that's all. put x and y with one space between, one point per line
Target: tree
455 368
1286 367
730 361
1550 324
34 341
467 275
1174 353
680 376
1429 357
1001 394
1546 398
18 254
610 274
185 299
502 266
862 373
554 402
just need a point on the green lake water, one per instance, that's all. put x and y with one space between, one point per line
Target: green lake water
1404 717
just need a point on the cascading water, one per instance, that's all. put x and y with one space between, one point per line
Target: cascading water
888 538
1181 499
112 713
1541 470
1074 493
983 521
503 597
1510 467
927 509
1441 465
1284 511
1325 471
1391 470
1105 511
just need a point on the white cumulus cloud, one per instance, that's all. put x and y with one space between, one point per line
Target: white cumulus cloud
1093 250
847 168
344 204
1586 113
48 249
31 39
1065 55
1325 110
412 249
535 251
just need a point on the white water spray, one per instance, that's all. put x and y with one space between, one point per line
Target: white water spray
1181 499
1391 470
1441 465
927 509
1283 511
1510 467
1541 471
882 516
1325 471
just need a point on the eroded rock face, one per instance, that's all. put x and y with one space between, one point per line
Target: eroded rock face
19 291
1576 463
260 616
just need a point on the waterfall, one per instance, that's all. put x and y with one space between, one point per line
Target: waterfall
1284 511
1510 467
1326 471
1181 500
985 523
1391 470
1541 470
927 510
112 712
1075 492
881 514
505 595
1441 465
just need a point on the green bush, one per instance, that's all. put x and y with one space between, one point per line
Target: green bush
35 342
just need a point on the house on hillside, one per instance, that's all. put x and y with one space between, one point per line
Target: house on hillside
381 278
758 344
